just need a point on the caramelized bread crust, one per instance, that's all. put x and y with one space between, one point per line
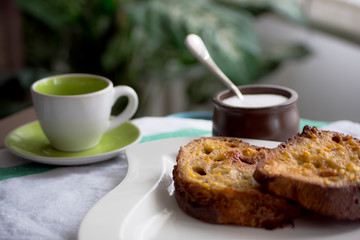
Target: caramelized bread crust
318 169
214 182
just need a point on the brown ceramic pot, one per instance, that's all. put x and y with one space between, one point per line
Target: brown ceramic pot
277 123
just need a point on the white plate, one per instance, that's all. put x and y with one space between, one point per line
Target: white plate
143 206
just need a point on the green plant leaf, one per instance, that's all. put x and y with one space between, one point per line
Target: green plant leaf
55 14
158 29
138 42
289 9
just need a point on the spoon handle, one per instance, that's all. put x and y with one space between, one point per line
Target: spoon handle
220 74
197 47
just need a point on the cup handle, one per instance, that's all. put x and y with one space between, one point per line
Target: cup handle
129 110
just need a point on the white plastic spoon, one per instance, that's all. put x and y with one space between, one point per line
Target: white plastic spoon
197 47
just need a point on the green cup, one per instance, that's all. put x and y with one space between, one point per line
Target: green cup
74 109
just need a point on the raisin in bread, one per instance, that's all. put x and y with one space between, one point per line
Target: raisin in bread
214 183
318 169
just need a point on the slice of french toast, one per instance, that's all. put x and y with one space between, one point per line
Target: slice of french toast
214 182
318 169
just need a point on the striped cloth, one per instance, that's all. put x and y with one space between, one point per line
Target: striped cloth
48 202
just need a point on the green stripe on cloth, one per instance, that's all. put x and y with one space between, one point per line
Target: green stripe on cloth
35 168
190 132
23 170
318 124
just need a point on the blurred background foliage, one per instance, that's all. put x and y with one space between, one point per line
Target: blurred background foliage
141 43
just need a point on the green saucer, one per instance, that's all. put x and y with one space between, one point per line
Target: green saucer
29 141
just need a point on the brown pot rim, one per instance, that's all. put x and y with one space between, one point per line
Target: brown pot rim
257 89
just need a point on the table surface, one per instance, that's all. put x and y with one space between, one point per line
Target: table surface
11 122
